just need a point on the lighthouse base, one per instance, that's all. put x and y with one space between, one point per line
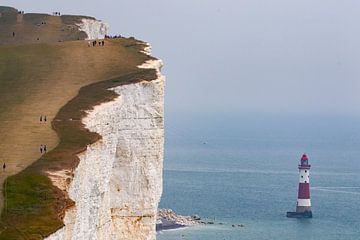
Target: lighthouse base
306 214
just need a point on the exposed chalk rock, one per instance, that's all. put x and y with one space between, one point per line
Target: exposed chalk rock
147 49
170 218
118 183
94 29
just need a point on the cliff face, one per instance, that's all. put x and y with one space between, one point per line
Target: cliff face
118 182
94 29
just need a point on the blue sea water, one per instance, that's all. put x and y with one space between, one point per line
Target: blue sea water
243 170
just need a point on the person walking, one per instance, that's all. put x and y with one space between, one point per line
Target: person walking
45 119
41 119
4 167
41 148
45 149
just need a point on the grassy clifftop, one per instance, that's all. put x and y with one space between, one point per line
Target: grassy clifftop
17 28
61 80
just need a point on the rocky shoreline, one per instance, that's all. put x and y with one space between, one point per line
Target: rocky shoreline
167 219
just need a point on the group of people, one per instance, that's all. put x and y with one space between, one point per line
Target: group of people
56 14
43 119
116 36
21 12
94 43
43 148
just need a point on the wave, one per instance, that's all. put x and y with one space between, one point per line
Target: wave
334 190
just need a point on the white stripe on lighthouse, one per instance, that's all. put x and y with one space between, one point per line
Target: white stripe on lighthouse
304 176
304 202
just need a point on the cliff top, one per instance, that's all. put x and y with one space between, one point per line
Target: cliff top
17 27
38 78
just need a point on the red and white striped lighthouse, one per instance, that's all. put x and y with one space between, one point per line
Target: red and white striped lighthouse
303 206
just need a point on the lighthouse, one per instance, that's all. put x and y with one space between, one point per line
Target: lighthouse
303 206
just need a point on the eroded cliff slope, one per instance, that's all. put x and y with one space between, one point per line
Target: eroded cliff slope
118 183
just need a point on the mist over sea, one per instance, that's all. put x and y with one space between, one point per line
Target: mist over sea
243 170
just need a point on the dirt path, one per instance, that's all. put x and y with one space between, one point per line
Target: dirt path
55 83
19 18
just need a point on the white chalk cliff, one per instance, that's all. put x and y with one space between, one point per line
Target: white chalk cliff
94 29
118 183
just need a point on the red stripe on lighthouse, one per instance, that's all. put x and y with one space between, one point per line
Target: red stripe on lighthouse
304 191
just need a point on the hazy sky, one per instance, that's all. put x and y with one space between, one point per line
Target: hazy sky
242 56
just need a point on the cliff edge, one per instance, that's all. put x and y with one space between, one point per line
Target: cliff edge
118 183
101 177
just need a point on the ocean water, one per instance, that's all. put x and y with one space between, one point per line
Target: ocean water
243 170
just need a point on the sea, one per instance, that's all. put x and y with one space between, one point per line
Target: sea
237 169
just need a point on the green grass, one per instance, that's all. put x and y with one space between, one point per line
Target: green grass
30 211
8 15
4 9
35 18
17 65
71 19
